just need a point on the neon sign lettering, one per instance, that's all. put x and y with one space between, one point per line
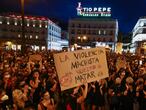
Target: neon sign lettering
95 12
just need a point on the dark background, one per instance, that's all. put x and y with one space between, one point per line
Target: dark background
126 11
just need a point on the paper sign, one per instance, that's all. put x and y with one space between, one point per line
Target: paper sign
34 58
121 63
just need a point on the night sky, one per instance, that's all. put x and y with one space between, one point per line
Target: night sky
126 11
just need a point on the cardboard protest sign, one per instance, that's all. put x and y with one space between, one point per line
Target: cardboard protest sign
121 63
35 57
119 48
35 60
81 66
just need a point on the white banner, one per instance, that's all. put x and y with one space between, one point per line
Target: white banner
81 66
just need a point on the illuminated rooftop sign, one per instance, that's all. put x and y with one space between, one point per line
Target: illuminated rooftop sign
93 11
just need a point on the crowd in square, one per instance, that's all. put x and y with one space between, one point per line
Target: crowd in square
34 85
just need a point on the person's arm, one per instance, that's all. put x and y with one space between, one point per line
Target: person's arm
54 86
137 91
28 66
84 94
39 107
85 91
25 97
129 68
41 65
34 84
94 88
53 104
126 90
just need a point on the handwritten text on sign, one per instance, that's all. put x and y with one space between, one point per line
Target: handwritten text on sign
78 67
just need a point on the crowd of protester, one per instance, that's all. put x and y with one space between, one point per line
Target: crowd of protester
26 85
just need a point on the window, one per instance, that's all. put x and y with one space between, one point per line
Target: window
104 40
111 40
73 25
84 26
72 31
103 26
111 32
43 47
94 39
36 37
4 21
110 45
144 30
72 40
79 25
40 25
104 32
43 32
84 32
30 36
94 32
28 24
8 22
19 35
33 25
99 39
89 40
89 32
112 26
79 32
94 26
99 32
15 23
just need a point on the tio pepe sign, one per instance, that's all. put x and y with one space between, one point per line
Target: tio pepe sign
93 11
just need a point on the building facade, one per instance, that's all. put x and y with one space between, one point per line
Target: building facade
139 37
54 36
93 32
64 39
36 29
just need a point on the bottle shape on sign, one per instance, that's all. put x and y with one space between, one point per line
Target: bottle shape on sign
66 80
79 9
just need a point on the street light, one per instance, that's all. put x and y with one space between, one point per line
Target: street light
82 38
23 46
